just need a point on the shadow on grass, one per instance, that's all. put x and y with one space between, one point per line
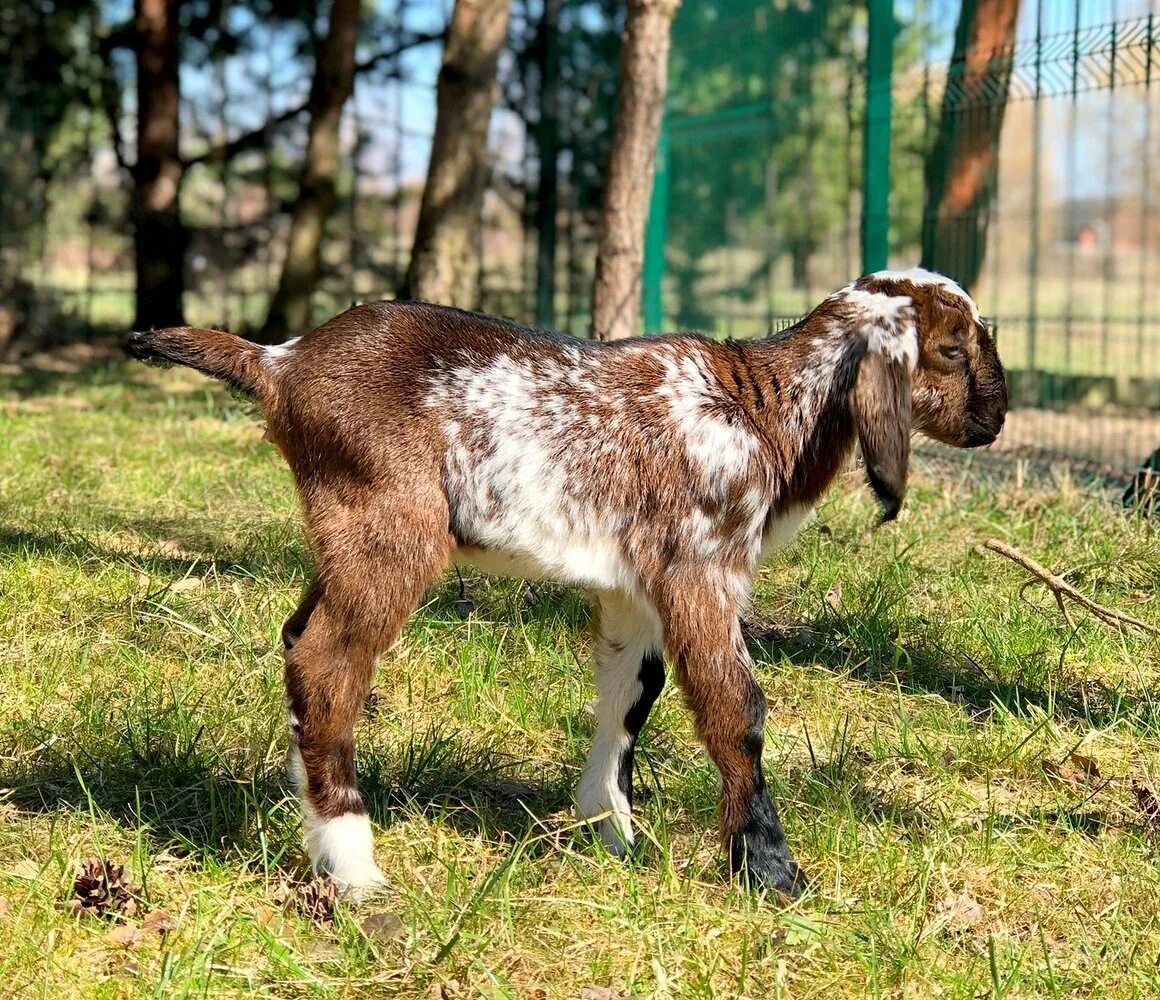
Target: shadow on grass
203 550
865 647
167 775
194 800
103 369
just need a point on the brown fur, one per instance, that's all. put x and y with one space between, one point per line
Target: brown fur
406 427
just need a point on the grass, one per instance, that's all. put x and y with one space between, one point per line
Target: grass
150 549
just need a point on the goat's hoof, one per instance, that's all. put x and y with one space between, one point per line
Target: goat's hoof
773 872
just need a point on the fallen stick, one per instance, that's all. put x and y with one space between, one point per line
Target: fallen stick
1059 587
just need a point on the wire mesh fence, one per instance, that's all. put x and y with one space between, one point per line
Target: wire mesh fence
66 225
1017 155
1020 161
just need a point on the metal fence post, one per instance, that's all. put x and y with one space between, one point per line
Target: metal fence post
876 137
654 238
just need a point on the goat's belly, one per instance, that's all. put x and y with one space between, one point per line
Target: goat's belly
596 563
783 528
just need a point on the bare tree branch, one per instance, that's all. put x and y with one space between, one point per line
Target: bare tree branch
257 137
1061 588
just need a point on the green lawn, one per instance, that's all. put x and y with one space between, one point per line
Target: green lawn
150 549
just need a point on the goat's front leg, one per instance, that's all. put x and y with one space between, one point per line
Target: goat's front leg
713 668
630 675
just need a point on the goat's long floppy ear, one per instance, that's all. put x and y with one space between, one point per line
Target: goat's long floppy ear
880 406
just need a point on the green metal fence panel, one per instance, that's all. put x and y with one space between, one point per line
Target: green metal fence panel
876 143
1018 156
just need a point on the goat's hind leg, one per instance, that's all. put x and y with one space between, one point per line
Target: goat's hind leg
331 641
327 677
630 675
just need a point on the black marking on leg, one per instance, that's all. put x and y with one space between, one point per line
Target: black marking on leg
758 850
652 681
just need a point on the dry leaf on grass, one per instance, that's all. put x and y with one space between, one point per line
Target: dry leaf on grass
959 913
1074 769
158 922
26 869
126 935
381 926
602 993
1146 801
101 889
5 907
834 597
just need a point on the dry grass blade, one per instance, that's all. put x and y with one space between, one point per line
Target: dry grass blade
1060 588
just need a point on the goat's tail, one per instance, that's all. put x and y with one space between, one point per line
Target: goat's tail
237 362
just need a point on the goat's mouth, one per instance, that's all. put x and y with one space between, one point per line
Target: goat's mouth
976 434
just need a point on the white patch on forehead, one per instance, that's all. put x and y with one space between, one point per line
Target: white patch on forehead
921 276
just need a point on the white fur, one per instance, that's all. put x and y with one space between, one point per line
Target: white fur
636 629
784 528
513 497
342 846
273 353
921 276
888 322
721 451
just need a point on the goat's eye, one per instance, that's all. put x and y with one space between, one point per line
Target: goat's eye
951 353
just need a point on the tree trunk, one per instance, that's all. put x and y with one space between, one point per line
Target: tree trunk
159 236
963 166
548 150
445 260
640 105
331 88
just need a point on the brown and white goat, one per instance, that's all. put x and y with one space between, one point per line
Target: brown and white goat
656 473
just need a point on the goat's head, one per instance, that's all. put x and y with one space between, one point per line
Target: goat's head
930 364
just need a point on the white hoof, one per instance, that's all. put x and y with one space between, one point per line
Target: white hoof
343 848
611 821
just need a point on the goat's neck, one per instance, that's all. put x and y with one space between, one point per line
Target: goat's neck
810 370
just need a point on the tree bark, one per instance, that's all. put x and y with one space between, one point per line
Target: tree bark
331 88
445 259
547 137
640 104
963 166
159 238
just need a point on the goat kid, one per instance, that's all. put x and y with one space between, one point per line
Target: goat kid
656 473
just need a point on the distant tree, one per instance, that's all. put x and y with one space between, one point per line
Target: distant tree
644 64
445 259
46 53
547 140
159 237
963 166
289 311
